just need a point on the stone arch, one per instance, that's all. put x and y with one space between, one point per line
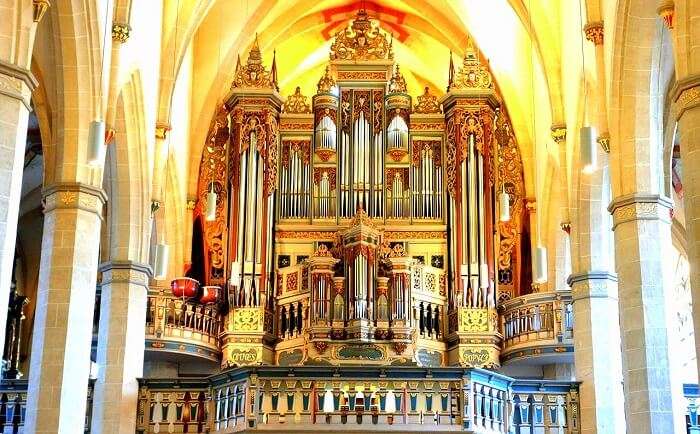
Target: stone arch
78 53
128 183
634 147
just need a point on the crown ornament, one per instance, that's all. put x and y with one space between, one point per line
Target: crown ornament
363 40
296 103
427 103
397 84
253 73
472 74
326 83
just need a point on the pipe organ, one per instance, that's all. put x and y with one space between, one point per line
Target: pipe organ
358 226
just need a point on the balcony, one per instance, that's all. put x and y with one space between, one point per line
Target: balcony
538 328
357 399
182 327
13 406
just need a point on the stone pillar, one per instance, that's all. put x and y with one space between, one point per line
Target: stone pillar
62 337
597 352
16 85
642 237
687 97
120 347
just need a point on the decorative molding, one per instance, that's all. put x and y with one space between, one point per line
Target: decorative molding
634 207
74 196
162 129
17 82
40 8
125 272
595 32
667 11
558 134
593 284
121 32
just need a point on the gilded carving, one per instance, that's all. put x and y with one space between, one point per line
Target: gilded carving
326 83
397 84
247 319
253 73
594 32
604 142
120 32
427 103
473 320
296 103
40 8
472 74
362 41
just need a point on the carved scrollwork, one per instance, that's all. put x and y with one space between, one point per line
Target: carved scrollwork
362 41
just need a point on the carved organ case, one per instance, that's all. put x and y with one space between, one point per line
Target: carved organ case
359 225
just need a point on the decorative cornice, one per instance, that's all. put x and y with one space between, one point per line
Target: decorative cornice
162 130
558 133
127 272
667 11
121 32
686 94
40 8
593 284
594 32
74 195
604 142
635 207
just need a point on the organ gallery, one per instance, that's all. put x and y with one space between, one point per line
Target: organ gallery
361 224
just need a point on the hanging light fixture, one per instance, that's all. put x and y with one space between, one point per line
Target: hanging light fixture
588 150
96 143
587 138
211 205
503 206
162 256
539 264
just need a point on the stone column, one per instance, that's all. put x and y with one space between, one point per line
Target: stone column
687 97
597 359
642 237
16 85
597 352
120 348
62 337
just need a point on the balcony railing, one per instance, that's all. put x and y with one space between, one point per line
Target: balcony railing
182 326
537 325
308 399
13 406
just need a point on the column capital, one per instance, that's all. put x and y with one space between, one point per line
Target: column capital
121 32
558 132
162 129
592 284
685 94
640 206
74 195
125 272
17 82
667 11
594 32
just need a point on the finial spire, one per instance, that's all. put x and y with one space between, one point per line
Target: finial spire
451 73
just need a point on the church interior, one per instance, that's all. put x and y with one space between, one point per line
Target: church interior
295 216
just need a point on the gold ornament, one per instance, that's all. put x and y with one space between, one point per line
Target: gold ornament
40 8
559 134
120 32
473 74
594 32
253 73
362 41
604 142
326 83
296 103
397 84
427 103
